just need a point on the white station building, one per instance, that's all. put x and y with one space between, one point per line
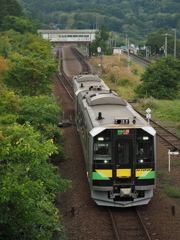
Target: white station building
69 36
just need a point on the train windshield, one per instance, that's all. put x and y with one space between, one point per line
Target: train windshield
123 152
145 149
102 148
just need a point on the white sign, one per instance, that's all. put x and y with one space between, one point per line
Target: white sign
173 153
148 115
99 49
148 110
169 159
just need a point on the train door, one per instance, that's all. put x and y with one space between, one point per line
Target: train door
123 168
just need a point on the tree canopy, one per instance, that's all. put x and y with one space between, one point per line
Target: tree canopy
9 7
137 18
30 139
29 75
19 24
101 38
29 185
161 80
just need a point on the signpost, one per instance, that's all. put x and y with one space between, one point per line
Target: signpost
100 55
169 160
148 115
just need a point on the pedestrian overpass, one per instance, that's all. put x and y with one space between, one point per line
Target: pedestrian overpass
69 36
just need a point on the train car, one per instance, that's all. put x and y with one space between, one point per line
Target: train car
119 145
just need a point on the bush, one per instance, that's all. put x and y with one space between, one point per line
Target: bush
112 77
124 82
148 103
160 80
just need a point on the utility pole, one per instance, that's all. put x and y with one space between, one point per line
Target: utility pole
165 50
128 59
174 42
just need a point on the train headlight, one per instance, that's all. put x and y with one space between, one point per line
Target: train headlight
100 139
146 138
105 161
140 160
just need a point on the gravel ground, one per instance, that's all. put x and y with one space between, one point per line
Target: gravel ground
83 219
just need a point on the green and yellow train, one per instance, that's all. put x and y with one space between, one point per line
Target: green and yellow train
119 145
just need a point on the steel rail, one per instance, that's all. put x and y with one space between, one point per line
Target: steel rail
113 225
143 226
60 78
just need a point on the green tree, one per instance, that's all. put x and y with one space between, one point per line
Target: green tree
19 24
9 107
29 184
43 114
25 44
101 39
157 41
161 80
29 75
9 42
9 7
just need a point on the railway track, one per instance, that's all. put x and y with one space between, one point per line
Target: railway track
171 140
62 76
141 61
128 224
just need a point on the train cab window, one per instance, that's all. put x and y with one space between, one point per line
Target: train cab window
144 151
102 149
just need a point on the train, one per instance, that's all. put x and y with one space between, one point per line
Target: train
119 146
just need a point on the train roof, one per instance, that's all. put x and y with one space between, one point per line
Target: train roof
104 98
89 77
88 83
107 108
102 107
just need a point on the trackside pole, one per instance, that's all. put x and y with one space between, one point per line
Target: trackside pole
169 158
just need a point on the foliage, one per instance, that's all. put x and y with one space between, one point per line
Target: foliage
161 80
10 7
19 24
136 18
124 82
4 66
35 45
29 75
144 103
157 42
9 102
29 184
101 38
38 110
43 114
25 44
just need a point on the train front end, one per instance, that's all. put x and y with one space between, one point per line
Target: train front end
123 165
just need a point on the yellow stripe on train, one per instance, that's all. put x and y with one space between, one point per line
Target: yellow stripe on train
106 172
123 173
140 172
